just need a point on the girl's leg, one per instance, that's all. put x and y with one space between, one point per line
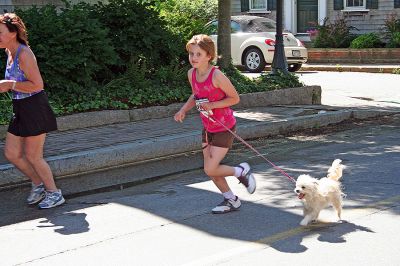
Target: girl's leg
212 158
34 155
13 151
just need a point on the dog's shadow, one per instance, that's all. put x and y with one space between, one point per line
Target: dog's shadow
328 232
336 234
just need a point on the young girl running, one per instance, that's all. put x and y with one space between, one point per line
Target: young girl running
213 94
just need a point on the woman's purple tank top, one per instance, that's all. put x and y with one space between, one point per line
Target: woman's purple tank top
13 72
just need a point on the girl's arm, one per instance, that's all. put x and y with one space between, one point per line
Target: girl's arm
190 103
232 97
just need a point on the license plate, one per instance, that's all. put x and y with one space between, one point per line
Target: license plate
296 53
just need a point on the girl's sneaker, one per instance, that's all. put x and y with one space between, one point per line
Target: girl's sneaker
36 195
247 178
227 205
52 199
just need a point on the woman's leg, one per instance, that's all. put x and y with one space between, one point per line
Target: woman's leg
34 155
212 158
14 152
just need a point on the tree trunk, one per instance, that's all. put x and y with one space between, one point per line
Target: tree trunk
224 33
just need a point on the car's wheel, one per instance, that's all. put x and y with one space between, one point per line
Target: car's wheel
254 60
294 67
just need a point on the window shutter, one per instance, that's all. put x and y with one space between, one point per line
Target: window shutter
271 5
396 3
338 5
244 5
372 4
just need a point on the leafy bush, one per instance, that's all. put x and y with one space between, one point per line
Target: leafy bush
369 40
186 18
394 40
5 108
392 30
120 55
67 45
336 34
137 31
266 81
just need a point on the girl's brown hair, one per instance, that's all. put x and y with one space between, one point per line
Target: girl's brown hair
15 24
205 43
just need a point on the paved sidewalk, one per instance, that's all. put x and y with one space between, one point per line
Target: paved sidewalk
150 147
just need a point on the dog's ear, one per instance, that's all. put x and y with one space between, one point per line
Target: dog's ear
315 183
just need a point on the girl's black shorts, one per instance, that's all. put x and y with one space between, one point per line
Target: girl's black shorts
32 116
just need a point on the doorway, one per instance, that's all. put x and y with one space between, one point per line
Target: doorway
307 13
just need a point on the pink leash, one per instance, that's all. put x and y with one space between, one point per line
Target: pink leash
253 149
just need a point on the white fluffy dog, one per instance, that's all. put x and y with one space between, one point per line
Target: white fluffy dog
318 194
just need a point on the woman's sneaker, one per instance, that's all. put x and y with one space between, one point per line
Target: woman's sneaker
36 195
52 199
227 205
247 178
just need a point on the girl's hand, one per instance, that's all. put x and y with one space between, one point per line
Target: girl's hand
180 116
207 106
5 85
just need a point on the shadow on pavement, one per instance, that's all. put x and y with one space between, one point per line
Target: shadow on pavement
186 199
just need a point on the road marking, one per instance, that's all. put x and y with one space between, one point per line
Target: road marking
261 243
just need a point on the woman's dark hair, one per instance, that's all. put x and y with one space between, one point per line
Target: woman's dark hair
15 24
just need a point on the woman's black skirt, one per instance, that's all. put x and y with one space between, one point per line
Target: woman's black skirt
32 116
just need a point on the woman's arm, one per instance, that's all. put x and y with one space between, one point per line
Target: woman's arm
28 64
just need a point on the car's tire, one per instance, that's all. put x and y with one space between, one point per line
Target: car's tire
294 67
254 60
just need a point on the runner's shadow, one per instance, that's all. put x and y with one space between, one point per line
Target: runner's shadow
68 223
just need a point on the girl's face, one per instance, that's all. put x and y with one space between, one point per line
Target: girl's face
198 57
6 36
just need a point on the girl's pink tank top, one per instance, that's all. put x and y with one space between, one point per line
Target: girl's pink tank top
206 90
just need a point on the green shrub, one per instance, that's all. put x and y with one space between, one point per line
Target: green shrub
394 41
5 108
137 31
121 55
186 18
265 82
67 45
369 40
392 31
335 34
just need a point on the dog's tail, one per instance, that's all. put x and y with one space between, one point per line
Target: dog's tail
336 170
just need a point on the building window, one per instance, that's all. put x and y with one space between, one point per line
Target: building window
258 5
355 4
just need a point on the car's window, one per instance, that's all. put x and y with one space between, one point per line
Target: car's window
235 27
259 25
212 27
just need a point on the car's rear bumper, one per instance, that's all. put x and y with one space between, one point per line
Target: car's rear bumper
296 54
296 60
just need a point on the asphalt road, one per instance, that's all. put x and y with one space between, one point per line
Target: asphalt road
168 222
353 89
